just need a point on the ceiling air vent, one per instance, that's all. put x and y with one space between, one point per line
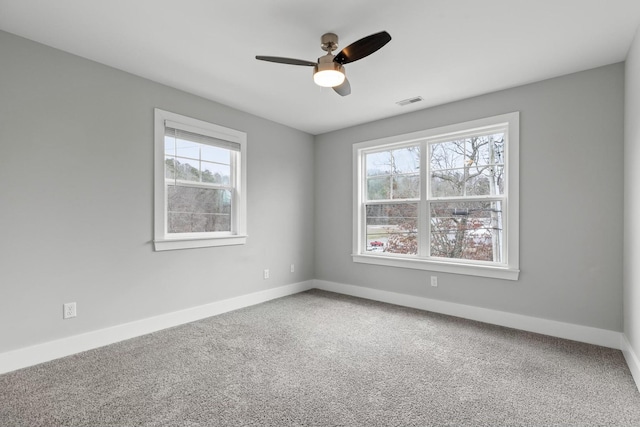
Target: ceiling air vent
410 101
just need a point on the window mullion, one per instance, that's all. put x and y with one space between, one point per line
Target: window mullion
363 206
423 208
235 200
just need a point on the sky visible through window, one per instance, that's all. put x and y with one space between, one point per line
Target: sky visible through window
192 161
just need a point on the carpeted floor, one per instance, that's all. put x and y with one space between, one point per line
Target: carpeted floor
322 359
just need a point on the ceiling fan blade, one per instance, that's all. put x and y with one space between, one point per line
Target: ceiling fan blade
344 89
363 47
289 61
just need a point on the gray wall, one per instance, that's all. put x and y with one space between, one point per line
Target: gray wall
76 198
571 199
632 197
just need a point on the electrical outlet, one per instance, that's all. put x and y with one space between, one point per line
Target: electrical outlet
69 310
434 281
293 268
266 273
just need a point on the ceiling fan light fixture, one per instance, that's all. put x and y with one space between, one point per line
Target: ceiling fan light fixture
328 78
328 74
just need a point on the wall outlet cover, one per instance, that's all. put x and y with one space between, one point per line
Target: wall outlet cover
69 310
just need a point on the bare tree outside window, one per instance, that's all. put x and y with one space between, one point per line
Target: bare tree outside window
462 169
393 175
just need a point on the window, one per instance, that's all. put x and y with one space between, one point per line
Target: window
200 176
443 199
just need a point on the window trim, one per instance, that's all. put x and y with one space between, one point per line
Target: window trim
166 241
510 271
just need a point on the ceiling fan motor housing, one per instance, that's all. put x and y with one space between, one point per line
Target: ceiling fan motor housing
329 42
326 62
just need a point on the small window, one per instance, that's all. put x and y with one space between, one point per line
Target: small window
199 183
444 199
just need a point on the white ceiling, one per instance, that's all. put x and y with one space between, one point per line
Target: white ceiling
442 50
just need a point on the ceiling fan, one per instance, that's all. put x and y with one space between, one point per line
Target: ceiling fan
329 70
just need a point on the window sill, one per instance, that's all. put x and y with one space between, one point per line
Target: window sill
439 266
191 243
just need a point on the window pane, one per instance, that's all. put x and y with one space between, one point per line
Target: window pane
498 147
468 167
392 228
198 209
210 153
378 163
169 167
406 187
393 174
379 188
187 169
486 180
169 146
187 149
480 152
405 160
447 183
216 173
467 230
489 149
447 155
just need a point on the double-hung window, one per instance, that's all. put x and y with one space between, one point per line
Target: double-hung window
443 199
200 181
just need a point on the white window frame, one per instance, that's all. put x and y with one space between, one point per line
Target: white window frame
509 269
163 240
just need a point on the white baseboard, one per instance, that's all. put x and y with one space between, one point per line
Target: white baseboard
33 355
632 359
586 334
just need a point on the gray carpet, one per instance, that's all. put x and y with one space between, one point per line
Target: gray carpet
322 359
